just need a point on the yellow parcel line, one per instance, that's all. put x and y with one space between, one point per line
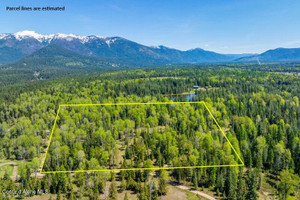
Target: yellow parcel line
50 139
223 133
153 168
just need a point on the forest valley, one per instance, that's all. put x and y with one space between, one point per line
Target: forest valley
256 106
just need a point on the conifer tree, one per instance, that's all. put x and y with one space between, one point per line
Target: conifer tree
113 193
163 181
252 185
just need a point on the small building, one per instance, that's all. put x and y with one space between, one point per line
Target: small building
195 86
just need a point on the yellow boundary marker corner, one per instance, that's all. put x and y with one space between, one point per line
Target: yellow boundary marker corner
152 168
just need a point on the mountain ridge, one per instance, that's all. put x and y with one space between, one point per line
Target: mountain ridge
24 43
274 55
17 46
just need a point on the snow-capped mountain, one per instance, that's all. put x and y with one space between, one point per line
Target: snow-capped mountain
21 44
23 35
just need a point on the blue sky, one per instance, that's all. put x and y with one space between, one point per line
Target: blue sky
225 26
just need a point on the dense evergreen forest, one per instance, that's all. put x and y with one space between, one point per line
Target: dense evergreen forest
137 136
256 106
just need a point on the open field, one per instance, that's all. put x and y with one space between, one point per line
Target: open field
6 169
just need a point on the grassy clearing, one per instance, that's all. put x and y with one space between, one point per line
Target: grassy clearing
192 196
42 197
6 168
5 161
174 194
268 188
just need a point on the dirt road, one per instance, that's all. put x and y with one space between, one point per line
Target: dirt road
193 191
15 168
14 175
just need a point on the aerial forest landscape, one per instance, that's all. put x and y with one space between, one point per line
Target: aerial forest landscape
213 114
255 110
